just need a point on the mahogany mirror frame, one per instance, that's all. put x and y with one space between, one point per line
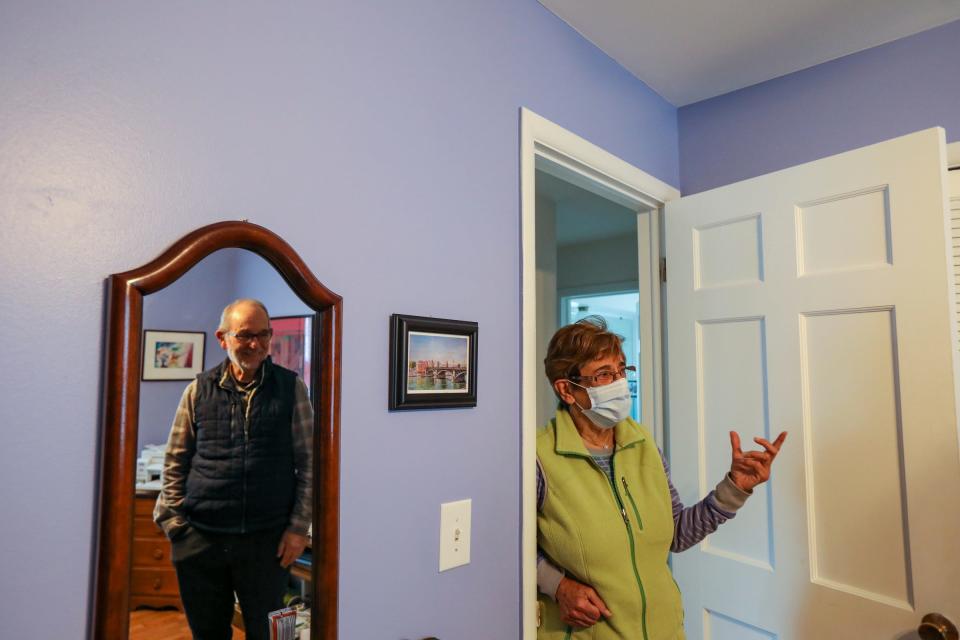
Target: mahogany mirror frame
110 614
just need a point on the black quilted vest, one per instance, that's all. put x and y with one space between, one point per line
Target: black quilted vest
242 475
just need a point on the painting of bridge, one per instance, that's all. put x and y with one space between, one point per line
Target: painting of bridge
437 362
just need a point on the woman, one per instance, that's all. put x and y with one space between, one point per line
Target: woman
607 512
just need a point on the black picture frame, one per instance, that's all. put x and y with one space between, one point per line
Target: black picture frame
411 336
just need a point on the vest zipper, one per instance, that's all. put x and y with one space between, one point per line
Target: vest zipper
246 442
633 549
633 504
243 476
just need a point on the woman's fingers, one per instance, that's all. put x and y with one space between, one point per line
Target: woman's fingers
735 444
579 620
598 603
580 605
753 467
773 448
770 449
588 610
576 602
750 463
758 455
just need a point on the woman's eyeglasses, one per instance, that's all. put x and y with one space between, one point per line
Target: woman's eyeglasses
606 377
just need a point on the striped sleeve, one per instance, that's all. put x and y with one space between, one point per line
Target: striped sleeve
693 524
167 512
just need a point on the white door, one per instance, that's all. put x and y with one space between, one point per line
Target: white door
817 300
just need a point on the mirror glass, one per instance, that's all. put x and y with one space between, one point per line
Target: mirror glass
240 452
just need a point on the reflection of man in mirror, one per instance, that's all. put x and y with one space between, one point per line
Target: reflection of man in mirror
236 497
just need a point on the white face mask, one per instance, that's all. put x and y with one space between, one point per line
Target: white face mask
609 404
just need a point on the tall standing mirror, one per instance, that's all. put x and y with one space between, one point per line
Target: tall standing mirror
276 461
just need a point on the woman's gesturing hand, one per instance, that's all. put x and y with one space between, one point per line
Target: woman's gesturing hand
749 469
580 605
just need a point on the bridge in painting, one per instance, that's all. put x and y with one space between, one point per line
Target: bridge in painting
456 373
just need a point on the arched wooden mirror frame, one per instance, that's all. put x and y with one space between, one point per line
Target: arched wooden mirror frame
121 401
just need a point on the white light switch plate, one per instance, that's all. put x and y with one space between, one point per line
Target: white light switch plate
454 534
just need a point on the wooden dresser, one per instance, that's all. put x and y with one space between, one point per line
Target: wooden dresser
153 581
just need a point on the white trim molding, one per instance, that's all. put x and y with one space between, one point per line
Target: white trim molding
551 148
953 155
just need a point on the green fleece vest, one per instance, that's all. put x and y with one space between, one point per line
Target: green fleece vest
614 538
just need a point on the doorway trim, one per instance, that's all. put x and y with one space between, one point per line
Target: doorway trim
953 155
565 155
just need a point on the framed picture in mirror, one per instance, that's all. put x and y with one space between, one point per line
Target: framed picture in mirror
290 347
172 355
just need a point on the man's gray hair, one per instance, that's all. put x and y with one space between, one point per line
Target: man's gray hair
225 316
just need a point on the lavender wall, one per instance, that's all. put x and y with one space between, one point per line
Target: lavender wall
192 303
362 132
255 278
867 97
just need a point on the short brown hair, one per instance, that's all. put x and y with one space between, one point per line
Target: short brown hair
576 344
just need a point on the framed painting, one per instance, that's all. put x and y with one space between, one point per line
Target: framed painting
172 355
433 363
290 347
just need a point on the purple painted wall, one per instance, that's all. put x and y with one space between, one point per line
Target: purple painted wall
255 278
863 98
192 303
362 132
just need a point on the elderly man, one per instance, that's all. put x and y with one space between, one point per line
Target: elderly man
236 497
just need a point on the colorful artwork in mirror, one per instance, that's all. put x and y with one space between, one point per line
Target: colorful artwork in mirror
291 346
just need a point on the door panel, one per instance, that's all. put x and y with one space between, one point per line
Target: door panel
845 514
817 300
732 361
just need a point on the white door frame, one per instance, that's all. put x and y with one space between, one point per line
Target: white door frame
552 148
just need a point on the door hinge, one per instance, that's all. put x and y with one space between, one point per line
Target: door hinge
663 269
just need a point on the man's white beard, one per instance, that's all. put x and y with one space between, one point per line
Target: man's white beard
245 365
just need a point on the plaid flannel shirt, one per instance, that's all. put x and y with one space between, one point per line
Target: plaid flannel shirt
182 445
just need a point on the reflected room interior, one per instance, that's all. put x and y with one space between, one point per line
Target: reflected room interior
192 305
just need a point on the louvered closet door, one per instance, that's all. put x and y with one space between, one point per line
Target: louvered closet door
954 182
817 300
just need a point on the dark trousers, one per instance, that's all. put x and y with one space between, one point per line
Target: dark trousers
245 564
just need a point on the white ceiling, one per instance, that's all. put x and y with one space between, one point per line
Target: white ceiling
690 50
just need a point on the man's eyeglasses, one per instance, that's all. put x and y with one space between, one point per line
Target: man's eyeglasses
606 377
244 336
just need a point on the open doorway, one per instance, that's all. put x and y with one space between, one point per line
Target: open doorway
588 265
547 151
